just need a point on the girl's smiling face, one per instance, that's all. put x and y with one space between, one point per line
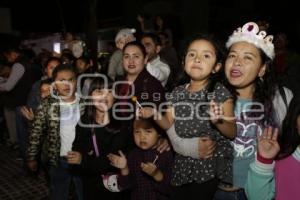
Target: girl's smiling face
102 99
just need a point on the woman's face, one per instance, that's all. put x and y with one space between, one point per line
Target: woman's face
243 65
133 60
102 99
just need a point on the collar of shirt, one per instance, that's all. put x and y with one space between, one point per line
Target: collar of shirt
76 100
155 61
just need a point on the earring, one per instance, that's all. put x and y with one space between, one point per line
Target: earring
261 79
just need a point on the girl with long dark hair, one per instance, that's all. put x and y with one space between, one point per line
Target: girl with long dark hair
97 135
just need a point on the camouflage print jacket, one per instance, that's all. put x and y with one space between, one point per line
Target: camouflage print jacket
45 131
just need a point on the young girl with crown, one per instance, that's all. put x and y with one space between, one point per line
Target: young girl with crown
260 103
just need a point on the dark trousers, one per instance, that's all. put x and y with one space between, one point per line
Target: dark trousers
60 180
235 195
191 191
22 130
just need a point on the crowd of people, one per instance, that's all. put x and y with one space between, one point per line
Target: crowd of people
221 125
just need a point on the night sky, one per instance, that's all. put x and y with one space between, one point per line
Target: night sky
55 15
26 13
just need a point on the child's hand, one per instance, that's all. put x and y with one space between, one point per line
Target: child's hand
118 161
74 157
268 146
216 112
149 168
146 112
206 147
27 113
32 165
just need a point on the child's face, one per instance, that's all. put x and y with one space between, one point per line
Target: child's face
145 138
81 65
133 60
200 60
45 90
121 43
102 99
243 65
65 83
50 67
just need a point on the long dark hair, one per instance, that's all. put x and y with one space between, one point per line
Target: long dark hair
265 91
99 83
289 139
266 88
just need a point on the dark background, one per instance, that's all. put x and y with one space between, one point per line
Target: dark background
186 17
